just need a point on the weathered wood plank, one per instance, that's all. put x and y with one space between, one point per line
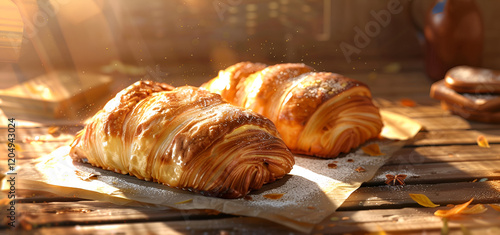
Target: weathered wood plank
440 172
406 221
415 112
452 122
440 193
35 196
95 212
448 153
449 137
237 225
388 197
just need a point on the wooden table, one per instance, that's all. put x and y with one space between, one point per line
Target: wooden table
443 162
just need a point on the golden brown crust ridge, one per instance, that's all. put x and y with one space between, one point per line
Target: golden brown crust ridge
230 78
316 113
126 100
191 139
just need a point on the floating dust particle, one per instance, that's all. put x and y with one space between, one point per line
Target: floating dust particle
360 169
332 166
273 196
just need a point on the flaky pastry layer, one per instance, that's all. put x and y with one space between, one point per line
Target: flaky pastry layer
317 113
185 138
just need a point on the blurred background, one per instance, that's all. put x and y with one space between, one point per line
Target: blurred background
188 42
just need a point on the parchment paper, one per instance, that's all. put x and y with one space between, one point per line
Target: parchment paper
311 192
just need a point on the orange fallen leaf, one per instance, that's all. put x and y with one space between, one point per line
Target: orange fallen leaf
476 209
274 196
408 102
372 150
495 207
422 200
453 211
482 142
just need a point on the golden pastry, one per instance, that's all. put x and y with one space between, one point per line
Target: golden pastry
185 138
317 113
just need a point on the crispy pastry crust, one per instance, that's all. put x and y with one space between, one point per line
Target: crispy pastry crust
185 138
316 113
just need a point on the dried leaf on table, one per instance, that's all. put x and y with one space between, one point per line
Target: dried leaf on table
453 211
372 150
422 200
476 209
408 102
482 142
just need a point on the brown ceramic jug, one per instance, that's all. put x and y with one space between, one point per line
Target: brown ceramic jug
453 35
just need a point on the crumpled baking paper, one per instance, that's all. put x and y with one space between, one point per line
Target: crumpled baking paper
310 192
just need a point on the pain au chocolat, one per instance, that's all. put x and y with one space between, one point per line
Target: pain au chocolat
185 138
317 113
